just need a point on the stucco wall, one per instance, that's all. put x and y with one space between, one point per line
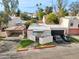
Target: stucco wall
30 35
42 40
46 39
75 23
65 22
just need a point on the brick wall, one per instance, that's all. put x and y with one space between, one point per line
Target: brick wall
74 31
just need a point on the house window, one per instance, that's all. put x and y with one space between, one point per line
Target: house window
78 25
71 24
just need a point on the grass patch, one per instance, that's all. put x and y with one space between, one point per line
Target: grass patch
24 43
74 40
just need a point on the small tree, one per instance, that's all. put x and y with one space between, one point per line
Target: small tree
62 13
52 19
61 5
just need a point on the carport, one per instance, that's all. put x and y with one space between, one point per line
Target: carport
57 32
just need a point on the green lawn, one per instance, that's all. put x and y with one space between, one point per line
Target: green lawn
25 42
74 39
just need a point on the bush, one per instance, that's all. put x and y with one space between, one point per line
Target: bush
26 42
52 19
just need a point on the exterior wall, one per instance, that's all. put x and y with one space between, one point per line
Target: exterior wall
47 32
64 22
11 23
45 39
7 33
14 20
42 40
75 23
30 35
74 31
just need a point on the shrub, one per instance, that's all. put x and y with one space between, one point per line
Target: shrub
52 19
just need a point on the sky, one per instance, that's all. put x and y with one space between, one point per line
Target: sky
30 5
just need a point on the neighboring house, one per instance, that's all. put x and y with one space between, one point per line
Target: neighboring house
68 25
16 27
72 24
15 21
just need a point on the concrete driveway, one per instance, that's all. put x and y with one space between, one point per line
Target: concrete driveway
62 51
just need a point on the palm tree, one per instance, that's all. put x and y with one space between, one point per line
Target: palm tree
48 10
61 4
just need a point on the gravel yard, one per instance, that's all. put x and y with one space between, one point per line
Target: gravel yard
62 51
7 46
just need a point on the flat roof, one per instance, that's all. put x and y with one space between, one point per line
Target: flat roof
38 27
42 27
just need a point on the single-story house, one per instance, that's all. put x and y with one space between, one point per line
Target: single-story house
39 33
68 25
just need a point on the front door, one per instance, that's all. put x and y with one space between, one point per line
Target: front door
37 39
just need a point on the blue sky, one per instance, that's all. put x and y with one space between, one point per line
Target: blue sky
30 5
